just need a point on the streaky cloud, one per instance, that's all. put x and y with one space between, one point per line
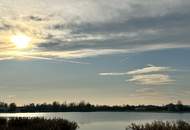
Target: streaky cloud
150 75
112 74
94 28
55 59
151 79
150 69
6 58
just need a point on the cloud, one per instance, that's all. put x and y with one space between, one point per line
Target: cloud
151 79
146 92
55 60
152 94
149 69
6 58
93 28
112 74
35 18
150 75
8 98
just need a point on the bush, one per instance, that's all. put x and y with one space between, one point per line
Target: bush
36 124
160 125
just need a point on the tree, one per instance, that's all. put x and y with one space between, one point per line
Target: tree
12 107
179 106
56 106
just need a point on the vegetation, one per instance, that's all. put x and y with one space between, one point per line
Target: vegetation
36 124
87 107
159 125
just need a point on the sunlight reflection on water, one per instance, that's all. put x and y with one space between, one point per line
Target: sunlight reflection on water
105 120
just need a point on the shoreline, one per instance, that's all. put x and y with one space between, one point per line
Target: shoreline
99 112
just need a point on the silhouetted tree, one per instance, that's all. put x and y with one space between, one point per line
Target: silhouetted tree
87 107
12 107
179 106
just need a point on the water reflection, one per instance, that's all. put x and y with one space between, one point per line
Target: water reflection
105 120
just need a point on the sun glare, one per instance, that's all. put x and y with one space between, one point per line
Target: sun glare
21 41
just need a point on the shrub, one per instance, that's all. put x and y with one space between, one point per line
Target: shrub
160 125
36 124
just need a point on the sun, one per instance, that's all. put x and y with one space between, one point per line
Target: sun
21 41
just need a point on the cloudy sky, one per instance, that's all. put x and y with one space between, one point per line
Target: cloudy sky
104 52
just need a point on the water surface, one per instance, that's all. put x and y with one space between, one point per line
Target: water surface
106 120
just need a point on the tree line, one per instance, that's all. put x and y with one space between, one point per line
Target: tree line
87 107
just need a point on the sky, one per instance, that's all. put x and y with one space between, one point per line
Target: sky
103 52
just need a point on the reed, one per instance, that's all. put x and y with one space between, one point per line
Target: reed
160 125
36 124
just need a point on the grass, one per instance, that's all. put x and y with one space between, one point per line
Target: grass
36 124
160 125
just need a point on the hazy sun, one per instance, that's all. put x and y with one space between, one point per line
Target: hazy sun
21 41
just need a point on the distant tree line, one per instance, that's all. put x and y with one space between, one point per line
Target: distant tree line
87 107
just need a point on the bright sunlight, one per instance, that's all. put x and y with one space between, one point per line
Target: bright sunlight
21 41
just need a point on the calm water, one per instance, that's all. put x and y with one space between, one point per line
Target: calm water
106 120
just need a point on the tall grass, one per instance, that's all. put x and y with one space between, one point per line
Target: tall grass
160 125
36 124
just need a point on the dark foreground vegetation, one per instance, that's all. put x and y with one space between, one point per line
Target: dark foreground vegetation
36 124
159 125
87 107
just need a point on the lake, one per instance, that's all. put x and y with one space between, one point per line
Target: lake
106 120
